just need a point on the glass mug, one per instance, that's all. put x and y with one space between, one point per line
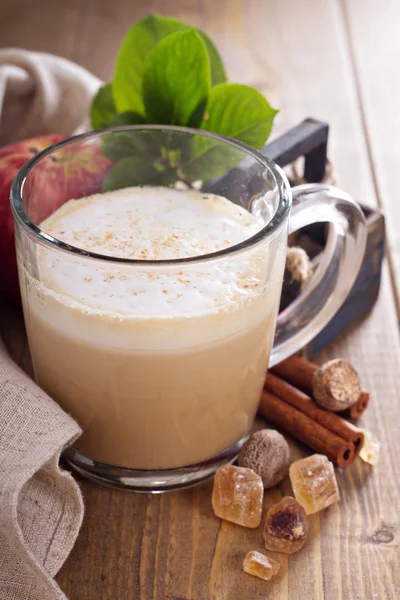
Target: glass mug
163 400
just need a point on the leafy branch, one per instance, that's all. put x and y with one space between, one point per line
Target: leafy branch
170 73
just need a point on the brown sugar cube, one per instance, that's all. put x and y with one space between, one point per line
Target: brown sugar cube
237 495
286 526
371 449
259 565
314 483
267 453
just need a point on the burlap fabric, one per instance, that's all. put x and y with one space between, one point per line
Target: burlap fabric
41 507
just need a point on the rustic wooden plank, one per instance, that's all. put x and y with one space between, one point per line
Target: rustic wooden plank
296 54
375 49
45 26
369 518
159 547
87 32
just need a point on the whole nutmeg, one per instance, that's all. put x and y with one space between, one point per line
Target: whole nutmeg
336 385
299 265
267 453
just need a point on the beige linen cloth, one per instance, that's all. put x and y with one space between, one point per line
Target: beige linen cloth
41 93
41 507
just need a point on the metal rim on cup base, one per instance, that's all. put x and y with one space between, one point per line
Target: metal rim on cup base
153 482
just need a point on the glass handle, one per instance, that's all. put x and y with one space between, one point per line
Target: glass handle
340 262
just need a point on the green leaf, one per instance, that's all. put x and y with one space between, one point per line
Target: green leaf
103 108
233 110
134 50
218 74
119 145
127 118
132 55
177 78
153 144
210 158
131 171
241 112
197 115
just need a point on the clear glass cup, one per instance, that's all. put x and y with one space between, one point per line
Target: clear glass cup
164 400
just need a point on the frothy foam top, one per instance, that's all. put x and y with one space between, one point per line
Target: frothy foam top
149 223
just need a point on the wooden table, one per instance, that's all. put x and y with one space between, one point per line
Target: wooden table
336 60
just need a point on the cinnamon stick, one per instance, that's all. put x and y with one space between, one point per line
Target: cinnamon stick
306 430
355 411
311 379
306 405
297 371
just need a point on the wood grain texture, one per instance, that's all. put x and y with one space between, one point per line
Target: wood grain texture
373 29
171 547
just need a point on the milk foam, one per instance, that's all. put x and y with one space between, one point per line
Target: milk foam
149 223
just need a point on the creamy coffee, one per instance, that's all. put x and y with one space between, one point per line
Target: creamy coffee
161 365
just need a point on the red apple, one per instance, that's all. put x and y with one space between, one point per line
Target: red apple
71 172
